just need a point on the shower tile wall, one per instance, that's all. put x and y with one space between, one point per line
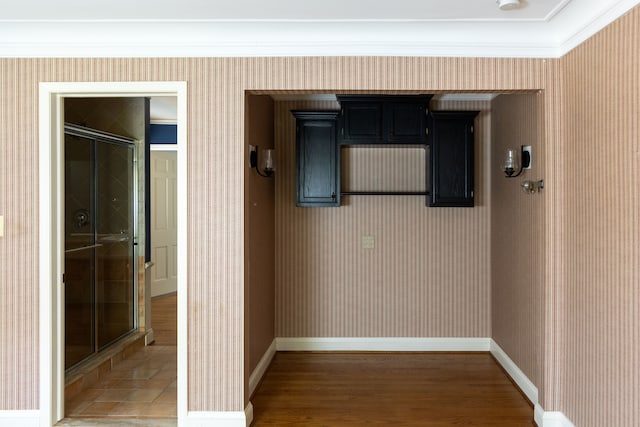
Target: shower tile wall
121 116
113 168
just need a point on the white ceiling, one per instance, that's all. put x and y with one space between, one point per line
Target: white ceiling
329 10
163 109
121 28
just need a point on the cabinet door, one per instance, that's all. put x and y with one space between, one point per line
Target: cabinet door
405 122
361 122
317 159
383 119
451 158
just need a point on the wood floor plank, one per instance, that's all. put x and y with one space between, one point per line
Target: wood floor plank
165 319
384 389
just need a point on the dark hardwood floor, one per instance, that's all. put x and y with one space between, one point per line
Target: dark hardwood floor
388 389
164 317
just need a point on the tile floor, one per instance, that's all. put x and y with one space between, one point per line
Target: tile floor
142 386
139 391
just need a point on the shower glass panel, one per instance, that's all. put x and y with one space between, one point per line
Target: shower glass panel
80 245
99 241
115 236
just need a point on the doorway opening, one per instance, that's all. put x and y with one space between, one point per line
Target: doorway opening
53 230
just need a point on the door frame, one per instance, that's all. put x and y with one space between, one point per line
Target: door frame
51 230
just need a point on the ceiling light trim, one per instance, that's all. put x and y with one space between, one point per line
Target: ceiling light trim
507 5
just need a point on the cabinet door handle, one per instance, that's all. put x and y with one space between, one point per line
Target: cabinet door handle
333 195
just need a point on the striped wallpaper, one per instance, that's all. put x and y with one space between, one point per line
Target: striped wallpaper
259 236
428 275
517 228
216 156
601 330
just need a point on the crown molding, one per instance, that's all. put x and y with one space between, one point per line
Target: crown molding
270 39
569 27
594 26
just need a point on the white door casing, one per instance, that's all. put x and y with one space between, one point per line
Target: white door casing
51 228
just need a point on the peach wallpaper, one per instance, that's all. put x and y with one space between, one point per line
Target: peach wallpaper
216 159
601 329
216 178
428 274
259 235
517 234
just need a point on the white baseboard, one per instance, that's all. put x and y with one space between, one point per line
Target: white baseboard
248 414
261 367
538 415
525 384
20 418
217 419
149 338
551 418
381 344
542 418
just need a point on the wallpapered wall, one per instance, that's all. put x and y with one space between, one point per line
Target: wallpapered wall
259 235
517 230
216 174
600 368
428 274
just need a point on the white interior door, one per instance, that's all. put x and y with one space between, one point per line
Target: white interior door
164 234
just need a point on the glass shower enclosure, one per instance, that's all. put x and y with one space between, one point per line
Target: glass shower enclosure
100 241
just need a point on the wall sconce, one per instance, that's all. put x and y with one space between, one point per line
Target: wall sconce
512 162
531 187
267 155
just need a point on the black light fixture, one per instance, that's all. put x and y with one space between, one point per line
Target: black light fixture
513 163
267 160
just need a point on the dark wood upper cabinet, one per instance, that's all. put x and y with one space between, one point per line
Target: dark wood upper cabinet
383 119
392 120
451 137
317 158
361 122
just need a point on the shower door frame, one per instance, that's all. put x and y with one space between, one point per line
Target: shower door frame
96 138
51 230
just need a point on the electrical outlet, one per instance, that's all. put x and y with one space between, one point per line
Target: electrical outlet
368 242
527 148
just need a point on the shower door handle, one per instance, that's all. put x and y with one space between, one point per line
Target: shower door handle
97 245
